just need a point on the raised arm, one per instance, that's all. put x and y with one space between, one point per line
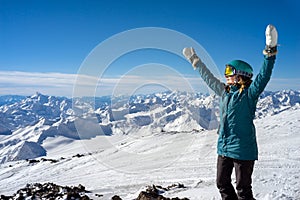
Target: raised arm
261 80
214 83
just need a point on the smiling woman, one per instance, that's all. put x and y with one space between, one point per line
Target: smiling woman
237 146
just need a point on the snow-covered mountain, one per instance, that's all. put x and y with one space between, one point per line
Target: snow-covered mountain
25 122
271 103
9 99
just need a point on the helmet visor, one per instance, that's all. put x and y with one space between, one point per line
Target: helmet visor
229 70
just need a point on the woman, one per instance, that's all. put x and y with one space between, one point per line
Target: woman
237 146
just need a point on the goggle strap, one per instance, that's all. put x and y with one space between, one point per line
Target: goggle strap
239 72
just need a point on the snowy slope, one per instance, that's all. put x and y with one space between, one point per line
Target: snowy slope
103 166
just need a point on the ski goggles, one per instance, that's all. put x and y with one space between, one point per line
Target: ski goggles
229 70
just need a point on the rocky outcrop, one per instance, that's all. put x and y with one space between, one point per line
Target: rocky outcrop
53 191
48 191
155 192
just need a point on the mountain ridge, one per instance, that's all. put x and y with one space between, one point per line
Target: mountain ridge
35 118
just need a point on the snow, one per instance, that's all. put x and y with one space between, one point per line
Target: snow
124 164
161 142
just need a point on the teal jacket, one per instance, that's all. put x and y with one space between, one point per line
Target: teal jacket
237 137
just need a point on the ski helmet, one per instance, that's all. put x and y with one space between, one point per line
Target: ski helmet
241 68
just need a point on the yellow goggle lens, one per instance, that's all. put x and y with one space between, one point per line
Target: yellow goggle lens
229 70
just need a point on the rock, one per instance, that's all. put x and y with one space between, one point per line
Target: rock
53 191
155 192
49 191
116 197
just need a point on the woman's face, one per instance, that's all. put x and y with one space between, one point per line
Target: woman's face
230 80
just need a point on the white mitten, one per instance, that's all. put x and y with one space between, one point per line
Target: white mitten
190 54
271 41
271 36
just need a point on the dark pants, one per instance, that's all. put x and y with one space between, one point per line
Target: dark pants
243 173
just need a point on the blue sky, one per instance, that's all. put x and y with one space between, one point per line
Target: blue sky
44 43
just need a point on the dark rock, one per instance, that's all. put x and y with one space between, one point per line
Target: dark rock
33 161
49 191
3 197
99 195
155 192
116 197
50 160
149 196
78 155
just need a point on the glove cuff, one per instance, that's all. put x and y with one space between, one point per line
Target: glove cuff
193 57
270 51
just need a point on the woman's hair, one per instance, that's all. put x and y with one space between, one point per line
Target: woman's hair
243 82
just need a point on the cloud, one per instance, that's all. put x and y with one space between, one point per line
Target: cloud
59 84
27 83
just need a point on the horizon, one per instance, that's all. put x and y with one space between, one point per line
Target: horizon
132 95
58 47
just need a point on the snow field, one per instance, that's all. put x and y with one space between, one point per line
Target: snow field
123 165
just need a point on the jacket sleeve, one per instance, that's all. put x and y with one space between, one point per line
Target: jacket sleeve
214 83
262 79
